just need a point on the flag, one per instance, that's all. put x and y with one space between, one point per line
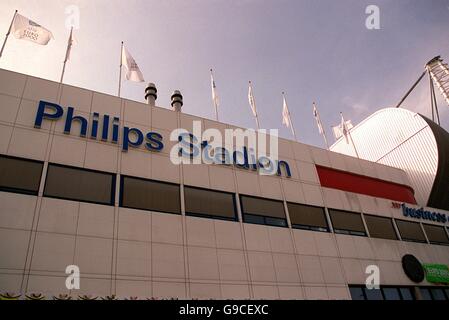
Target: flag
70 43
320 124
134 73
318 120
252 101
215 99
286 118
286 115
26 29
342 129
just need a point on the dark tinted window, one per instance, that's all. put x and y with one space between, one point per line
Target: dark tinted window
357 293
425 294
373 294
19 175
380 227
436 234
80 184
391 294
263 211
410 231
347 222
307 217
438 294
406 294
150 195
209 203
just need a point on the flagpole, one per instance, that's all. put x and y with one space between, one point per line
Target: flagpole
69 44
325 140
214 95
322 131
120 74
290 118
257 122
7 34
349 134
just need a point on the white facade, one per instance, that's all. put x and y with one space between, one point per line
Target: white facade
131 252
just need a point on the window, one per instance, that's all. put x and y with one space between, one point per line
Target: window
263 211
208 203
425 294
347 222
20 175
391 293
380 227
307 217
438 294
436 234
359 292
150 195
80 184
432 293
410 231
406 294
373 294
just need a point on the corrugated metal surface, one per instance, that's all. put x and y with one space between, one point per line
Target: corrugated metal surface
398 138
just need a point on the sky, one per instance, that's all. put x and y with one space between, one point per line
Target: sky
314 50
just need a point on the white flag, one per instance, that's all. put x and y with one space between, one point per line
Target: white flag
215 99
134 73
26 29
318 120
70 43
286 120
342 129
252 101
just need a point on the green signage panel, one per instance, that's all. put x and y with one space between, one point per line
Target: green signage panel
437 273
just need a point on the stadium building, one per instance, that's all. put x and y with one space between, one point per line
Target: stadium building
86 179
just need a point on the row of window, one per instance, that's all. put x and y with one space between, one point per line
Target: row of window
23 176
398 293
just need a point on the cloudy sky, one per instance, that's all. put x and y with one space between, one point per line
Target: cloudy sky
314 50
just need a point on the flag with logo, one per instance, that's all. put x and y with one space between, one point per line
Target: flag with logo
26 29
133 71
318 120
252 101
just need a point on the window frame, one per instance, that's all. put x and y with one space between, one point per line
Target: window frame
262 217
23 191
436 242
346 231
407 239
211 216
121 194
382 218
307 227
113 184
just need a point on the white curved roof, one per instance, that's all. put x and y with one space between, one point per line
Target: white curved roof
398 138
